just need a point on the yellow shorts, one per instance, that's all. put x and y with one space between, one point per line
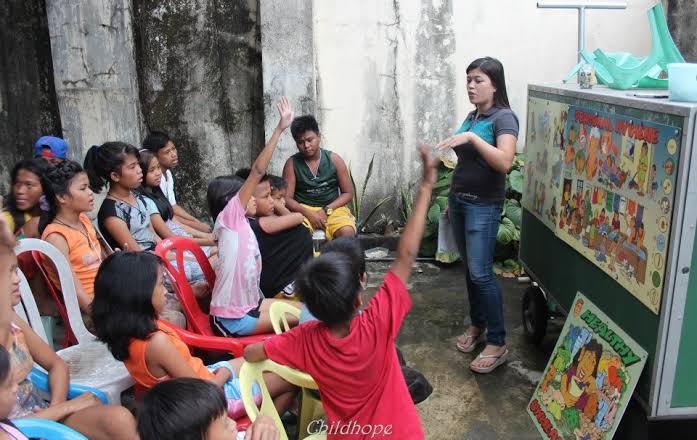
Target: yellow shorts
340 217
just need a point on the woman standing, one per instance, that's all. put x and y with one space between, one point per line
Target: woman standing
485 145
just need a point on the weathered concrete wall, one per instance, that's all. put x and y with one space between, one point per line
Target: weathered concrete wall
288 66
28 105
682 21
94 72
391 73
200 80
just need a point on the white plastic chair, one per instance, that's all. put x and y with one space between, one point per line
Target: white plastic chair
90 362
27 309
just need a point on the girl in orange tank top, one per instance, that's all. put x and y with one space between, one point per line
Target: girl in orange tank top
129 295
64 225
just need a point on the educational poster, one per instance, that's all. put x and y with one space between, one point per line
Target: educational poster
589 378
616 201
544 159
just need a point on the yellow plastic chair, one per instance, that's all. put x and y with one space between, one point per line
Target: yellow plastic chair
310 405
253 372
277 314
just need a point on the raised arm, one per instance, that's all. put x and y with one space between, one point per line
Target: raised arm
410 240
262 162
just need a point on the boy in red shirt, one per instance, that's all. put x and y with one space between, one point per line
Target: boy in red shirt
352 355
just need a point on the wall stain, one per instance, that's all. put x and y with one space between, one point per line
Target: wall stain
28 105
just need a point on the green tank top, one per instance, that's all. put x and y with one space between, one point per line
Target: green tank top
315 190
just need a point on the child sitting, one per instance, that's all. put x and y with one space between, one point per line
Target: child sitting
66 226
279 190
319 185
129 296
164 225
285 245
351 355
160 144
238 307
8 396
125 217
194 409
85 413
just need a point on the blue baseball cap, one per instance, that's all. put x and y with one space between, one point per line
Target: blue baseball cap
51 146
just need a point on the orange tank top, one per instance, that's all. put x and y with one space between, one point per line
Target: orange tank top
137 367
85 253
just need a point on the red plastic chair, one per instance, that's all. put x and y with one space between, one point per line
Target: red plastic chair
200 333
69 337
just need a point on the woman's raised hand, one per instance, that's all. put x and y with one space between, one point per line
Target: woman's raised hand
285 113
454 141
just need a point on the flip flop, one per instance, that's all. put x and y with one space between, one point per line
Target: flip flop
481 337
500 359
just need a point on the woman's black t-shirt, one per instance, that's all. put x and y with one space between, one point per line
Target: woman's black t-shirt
473 176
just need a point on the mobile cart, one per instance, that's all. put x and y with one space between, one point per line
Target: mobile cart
610 207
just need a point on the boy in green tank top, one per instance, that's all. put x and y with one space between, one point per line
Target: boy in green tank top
319 186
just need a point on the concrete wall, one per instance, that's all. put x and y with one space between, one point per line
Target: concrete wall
200 80
390 74
288 66
682 21
28 106
94 72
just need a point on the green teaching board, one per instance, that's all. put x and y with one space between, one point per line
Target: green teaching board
603 210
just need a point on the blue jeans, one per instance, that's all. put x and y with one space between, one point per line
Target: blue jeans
475 225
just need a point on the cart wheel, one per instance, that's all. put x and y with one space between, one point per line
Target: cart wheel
534 315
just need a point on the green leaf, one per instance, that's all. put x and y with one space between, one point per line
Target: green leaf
355 202
442 202
434 213
507 231
372 212
365 182
514 212
515 179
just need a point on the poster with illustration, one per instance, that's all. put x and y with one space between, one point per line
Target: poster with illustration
616 198
544 159
589 378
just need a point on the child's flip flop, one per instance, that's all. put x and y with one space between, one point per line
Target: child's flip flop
461 344
500 359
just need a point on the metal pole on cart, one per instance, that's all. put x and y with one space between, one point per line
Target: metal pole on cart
581 8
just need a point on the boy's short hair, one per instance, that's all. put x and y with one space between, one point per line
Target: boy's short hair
220 191
301 124
245 172
155 141
181 408
329 285
277 183
352 248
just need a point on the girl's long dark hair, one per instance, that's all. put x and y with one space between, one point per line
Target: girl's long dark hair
154 192
38 167
102 160
122 307
56 182
493 68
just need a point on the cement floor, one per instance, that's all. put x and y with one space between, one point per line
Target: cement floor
465 405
